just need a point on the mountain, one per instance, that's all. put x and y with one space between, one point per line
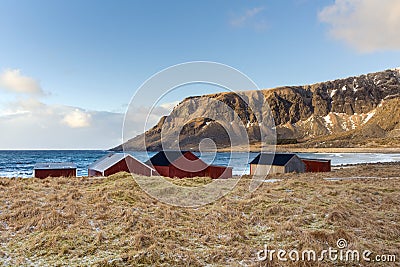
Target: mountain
356 111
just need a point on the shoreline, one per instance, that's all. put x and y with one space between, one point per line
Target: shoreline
333 169
288 149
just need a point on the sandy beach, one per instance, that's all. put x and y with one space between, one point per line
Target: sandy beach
297 149
340 150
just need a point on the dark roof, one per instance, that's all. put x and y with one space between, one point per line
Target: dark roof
165 158
278 159
320 160
54 166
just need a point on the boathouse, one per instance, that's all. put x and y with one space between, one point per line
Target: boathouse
182 164
119 162
54 169
265 163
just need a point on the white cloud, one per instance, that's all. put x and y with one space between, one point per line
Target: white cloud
170 106
77 119
139 119
250 18
12 80
366 25
27 107
31 124
28 123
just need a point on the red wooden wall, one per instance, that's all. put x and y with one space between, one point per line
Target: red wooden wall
162 170
210 171
122 166
55 173
190 166
216 172
317 165
134 167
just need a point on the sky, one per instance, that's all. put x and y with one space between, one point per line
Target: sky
68 69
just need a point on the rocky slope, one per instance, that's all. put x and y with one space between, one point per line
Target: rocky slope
361 110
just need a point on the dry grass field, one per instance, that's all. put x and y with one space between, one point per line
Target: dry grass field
112 222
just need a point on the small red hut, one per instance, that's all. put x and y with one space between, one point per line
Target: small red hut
119 162
54 169
317 165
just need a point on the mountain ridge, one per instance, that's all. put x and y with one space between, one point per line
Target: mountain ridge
323 111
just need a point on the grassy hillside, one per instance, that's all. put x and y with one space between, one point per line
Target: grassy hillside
112 222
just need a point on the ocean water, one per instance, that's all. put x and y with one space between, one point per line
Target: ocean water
19 163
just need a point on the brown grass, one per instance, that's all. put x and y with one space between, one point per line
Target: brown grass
112 222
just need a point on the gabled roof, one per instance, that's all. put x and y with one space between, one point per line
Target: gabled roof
165 158
278 159
107 161
54 166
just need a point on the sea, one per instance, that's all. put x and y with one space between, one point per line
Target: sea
20 163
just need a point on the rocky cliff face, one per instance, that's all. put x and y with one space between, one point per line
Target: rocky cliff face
301 113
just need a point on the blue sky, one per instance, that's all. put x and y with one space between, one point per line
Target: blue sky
80 62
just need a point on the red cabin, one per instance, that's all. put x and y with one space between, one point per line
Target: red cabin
317 165
119 162
184 164
54 169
